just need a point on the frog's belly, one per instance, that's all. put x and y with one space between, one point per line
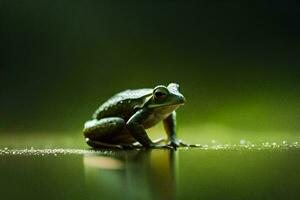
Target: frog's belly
153 119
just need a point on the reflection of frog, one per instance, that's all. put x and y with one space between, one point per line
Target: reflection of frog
117 175
121 121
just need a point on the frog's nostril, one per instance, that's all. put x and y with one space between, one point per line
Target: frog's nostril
181 99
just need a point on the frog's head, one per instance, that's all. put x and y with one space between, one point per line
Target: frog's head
166 99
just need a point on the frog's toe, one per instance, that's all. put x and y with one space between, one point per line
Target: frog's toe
180 143
175 143
183 144
195 145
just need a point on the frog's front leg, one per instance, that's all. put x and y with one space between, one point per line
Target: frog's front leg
170 128
136 128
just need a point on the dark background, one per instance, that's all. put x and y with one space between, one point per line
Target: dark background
237 61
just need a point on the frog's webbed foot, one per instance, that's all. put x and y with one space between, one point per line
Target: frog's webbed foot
180 143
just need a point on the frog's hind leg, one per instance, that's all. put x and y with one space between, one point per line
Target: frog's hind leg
105 133
98 145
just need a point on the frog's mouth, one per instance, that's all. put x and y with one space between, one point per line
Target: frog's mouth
166 105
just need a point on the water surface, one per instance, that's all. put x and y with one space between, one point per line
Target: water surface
212 172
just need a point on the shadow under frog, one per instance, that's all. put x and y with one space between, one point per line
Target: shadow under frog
143 174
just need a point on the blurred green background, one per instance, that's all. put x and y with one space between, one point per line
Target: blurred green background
237 62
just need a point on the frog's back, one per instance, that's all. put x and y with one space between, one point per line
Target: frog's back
122 104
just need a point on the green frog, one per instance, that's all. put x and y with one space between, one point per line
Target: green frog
120 122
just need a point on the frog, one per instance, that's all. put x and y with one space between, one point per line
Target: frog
122 120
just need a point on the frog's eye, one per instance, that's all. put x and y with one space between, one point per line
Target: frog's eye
173 87
160 92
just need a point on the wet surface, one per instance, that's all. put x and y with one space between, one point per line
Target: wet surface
215 171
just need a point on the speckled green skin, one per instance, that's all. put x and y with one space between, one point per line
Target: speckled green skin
123 104
121 121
